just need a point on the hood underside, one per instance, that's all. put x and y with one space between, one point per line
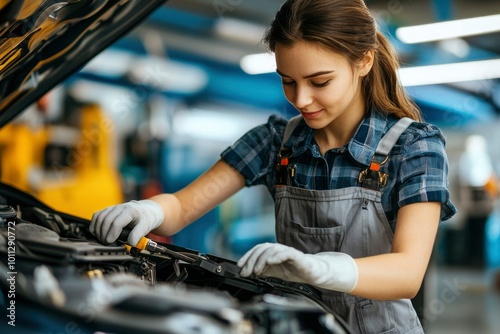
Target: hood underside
42 42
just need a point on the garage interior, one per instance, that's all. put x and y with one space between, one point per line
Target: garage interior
176 92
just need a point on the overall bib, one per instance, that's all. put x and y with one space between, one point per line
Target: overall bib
349 220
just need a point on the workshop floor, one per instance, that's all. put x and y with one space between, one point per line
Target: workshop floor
462 301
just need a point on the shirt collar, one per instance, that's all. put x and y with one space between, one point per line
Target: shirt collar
362 145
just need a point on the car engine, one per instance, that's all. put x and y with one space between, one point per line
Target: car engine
56 277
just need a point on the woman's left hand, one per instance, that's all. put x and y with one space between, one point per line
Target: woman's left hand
329 270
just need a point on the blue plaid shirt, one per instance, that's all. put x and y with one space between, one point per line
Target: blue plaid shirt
417 165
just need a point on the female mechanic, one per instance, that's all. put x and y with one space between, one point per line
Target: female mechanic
359 180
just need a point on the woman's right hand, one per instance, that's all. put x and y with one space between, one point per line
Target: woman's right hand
142 216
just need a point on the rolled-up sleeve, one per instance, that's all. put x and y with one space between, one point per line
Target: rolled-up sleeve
424 172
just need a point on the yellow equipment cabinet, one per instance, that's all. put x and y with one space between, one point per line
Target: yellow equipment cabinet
88 181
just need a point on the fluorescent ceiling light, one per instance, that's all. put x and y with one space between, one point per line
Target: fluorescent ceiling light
448 73
168 75
409 76
110 63
215 125
240 31
449 29
153 71
258 63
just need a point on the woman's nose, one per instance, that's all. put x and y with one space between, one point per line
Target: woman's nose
303 97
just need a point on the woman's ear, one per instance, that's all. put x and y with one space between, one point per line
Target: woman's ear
366 63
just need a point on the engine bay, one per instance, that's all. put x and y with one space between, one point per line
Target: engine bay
57 277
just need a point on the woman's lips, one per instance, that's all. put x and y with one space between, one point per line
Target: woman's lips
311 115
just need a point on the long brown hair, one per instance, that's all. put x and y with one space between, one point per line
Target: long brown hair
346 27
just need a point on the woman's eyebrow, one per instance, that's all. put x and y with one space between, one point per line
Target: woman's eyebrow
307 76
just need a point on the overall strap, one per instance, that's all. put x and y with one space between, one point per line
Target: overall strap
391 137
372 177
285 172
290 126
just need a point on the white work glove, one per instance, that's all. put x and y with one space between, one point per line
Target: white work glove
143 216
327 270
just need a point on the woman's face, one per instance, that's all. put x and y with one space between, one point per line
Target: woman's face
320 83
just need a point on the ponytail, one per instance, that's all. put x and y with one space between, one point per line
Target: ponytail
382 88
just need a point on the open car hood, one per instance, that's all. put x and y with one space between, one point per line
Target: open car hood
42 42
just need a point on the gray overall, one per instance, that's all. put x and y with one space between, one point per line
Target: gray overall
349 220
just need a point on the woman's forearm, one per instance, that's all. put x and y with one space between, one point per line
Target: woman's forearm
203 194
